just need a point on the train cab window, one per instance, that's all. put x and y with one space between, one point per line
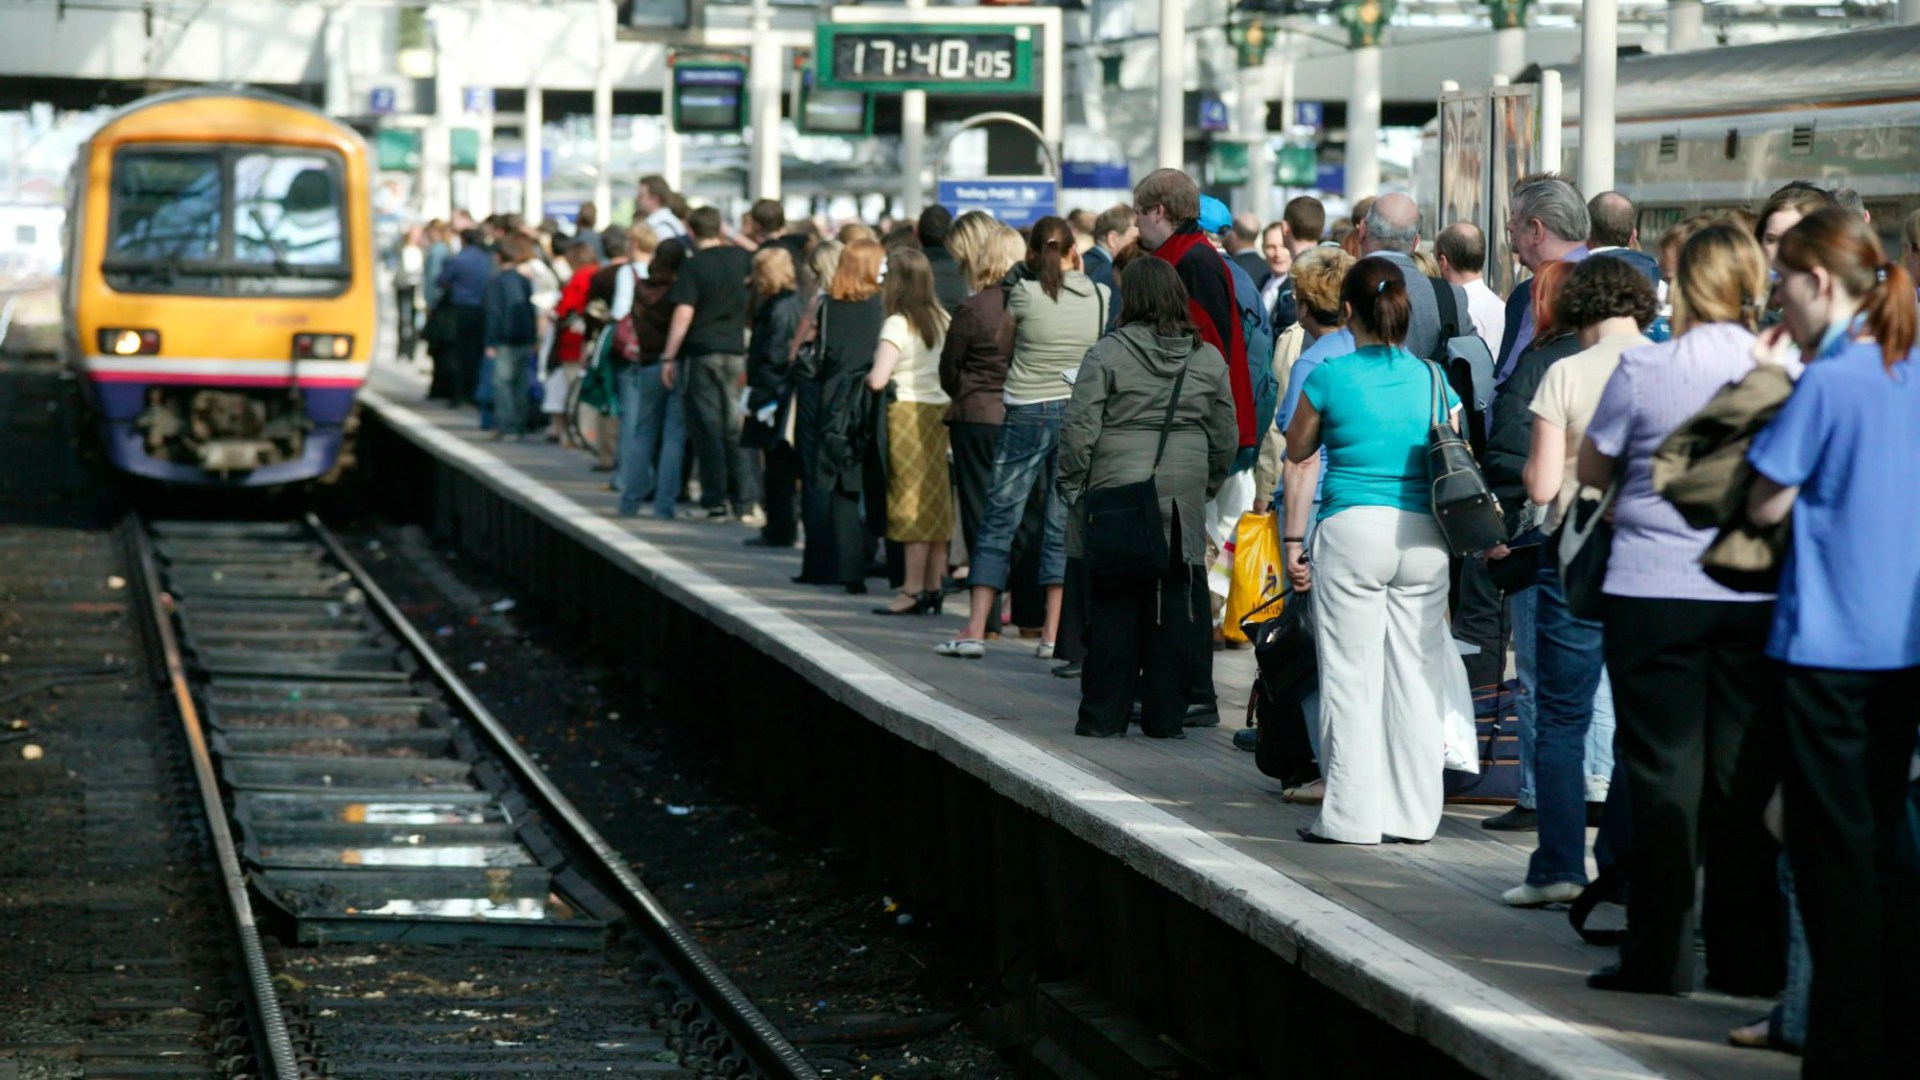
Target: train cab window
287 210
166 205
228 221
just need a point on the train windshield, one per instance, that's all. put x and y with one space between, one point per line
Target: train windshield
233 221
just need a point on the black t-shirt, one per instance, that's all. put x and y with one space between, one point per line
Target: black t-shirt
714 284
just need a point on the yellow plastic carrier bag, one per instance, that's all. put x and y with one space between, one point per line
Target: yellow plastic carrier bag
1256 571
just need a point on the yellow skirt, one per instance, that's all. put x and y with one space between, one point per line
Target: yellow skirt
919 495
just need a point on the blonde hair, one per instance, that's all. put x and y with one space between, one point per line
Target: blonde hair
823 260
1722 278
772 270
1002 248
1910 231
1318 275
1425 263
857 277
966 239
642 239
853 232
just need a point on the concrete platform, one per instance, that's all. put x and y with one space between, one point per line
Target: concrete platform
1415 936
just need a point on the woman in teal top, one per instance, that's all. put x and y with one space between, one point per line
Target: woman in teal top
1389 672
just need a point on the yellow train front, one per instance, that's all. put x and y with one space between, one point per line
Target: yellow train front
219 289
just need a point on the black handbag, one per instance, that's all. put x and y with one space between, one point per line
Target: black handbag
1125 536
1463 505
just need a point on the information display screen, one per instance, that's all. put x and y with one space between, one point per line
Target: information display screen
709 97
833 112
961 59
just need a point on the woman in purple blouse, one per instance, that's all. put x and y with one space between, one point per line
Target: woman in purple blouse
1696 698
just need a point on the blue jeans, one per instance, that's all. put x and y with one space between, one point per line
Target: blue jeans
1523 608
1600 737
1570 668
510 381
1027 453
653 441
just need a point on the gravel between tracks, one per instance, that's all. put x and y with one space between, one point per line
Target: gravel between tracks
819 946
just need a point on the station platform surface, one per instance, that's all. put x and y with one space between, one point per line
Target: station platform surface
1417 934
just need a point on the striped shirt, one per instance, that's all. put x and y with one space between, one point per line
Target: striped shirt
1656 388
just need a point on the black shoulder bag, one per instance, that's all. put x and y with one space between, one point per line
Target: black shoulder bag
1463 504
1125 536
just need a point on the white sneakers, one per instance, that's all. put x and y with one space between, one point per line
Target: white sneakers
1560 892
963 648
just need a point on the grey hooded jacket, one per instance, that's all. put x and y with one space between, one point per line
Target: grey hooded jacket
1113 428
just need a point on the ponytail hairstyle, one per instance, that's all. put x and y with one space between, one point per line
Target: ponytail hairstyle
1839 242
1050 241
1376 292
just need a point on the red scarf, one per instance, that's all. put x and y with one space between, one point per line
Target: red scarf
1232 344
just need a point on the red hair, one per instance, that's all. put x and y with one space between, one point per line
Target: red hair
1548 284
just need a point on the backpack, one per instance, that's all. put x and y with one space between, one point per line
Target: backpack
1256 330
1468 365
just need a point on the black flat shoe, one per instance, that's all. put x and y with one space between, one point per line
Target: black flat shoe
1201 716
1616 978
935 601
1391 839
1068 670
1312 837
920 606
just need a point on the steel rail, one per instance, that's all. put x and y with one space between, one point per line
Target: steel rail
768 1050
280 1062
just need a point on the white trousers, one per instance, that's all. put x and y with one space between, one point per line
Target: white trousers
1387 662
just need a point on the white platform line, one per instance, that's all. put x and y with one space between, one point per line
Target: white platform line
1486 1029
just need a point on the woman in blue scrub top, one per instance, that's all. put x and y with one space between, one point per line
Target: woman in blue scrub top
1841 457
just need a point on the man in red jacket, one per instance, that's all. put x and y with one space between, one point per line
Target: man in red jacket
1167 207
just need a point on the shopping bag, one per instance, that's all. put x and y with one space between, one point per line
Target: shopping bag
1256 572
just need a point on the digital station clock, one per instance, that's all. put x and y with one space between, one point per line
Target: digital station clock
889 58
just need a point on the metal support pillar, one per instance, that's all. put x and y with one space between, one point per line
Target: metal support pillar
1173 86
1909 12
763 77
1552 110
913 143
481 66
1599 39
436 146
534 198
605 17
1250 123
1363 125
1509 19
1509 51
1684 21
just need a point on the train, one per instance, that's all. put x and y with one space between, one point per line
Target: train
1720 128
219 293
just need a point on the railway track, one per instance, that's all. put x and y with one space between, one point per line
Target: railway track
411 896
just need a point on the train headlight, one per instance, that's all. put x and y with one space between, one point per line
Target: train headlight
322 346
130 342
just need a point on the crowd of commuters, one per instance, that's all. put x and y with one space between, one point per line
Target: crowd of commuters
1070 416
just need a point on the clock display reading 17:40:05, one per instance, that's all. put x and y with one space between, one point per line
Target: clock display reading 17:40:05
901 57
